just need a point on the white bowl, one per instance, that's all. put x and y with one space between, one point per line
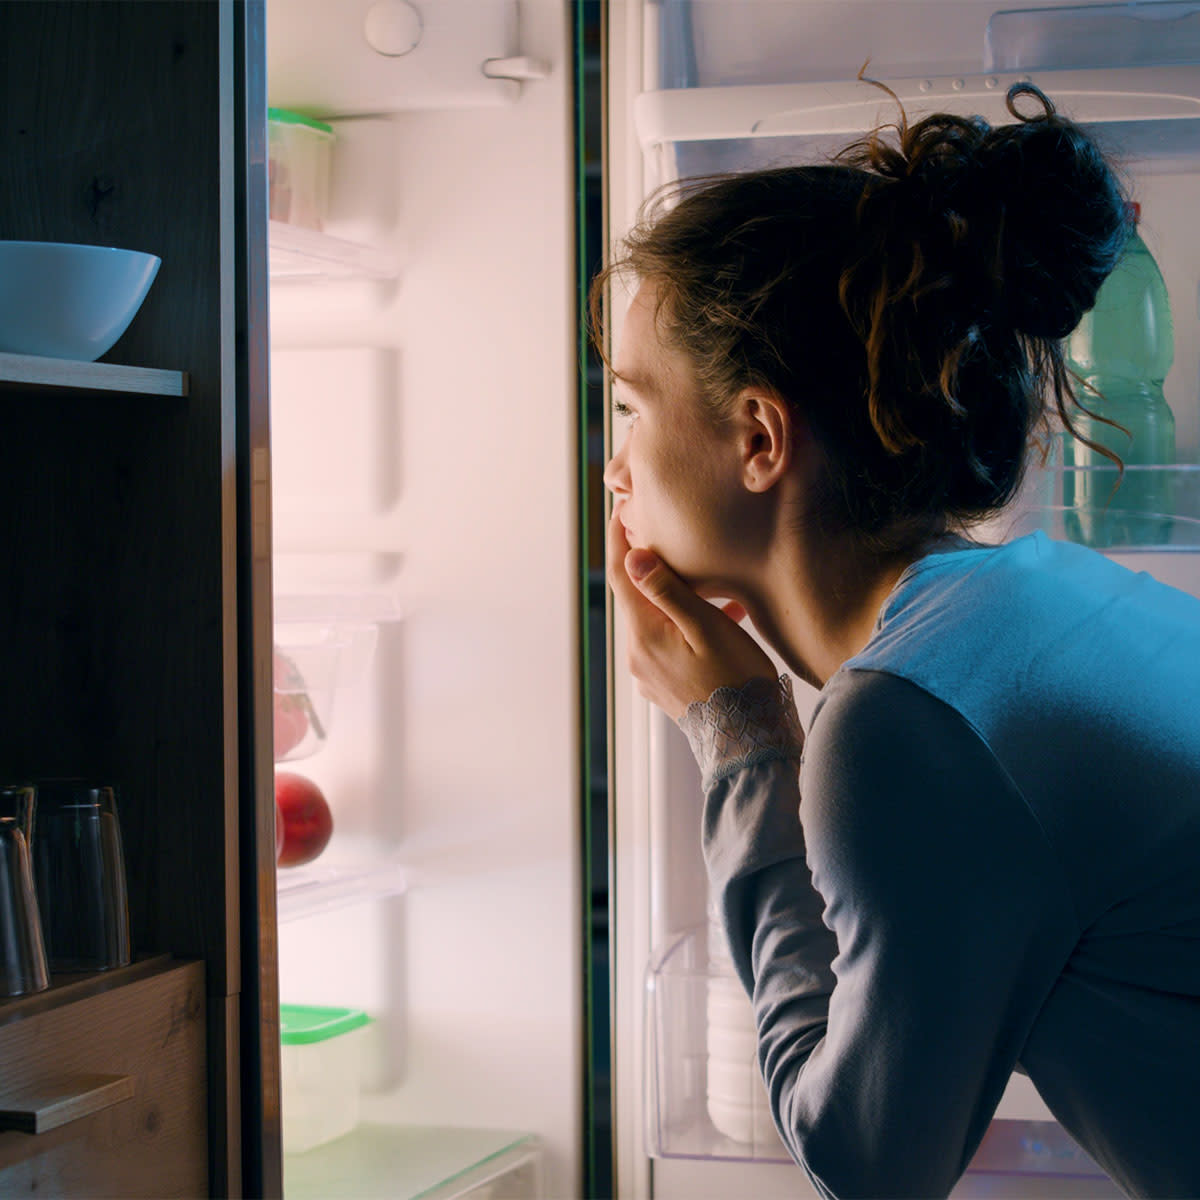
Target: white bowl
67 301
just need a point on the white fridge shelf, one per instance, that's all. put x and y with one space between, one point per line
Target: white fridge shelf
1129 95
305 255
419 1163
321 887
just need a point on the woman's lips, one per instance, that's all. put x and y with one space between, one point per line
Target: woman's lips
620 515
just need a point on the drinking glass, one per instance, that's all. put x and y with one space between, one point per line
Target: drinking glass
79 868
24 953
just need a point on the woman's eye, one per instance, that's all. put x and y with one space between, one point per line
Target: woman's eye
622 410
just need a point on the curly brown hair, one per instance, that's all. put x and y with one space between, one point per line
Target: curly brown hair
908 299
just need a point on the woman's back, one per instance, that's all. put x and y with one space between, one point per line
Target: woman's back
1083 680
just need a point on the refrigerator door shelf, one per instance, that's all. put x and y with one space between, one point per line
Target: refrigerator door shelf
702 1104
1134 96
299 254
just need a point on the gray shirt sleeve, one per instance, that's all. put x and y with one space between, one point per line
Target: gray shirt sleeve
897 939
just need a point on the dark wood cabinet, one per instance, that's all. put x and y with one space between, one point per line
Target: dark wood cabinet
134 554
104 1086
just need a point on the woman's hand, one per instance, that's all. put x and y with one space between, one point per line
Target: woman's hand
681 647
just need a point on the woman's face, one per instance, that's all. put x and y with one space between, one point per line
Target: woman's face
676 476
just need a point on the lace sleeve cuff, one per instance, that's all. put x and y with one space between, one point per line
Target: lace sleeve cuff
738 727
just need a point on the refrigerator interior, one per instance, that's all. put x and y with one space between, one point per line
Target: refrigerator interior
701 86
423 480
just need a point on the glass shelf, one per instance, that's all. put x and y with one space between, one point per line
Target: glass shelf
419 1163
1152 510
301 254
321 886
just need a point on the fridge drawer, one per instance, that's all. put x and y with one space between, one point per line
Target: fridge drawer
103 1085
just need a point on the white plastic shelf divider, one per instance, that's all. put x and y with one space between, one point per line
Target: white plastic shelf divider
303 254
69 375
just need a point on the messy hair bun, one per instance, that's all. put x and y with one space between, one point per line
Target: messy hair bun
909 299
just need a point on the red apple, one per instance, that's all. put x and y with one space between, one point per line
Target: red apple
291 706
305 816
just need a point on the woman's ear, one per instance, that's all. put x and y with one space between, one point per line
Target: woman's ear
766 429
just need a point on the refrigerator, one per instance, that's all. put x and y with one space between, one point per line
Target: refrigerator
703 86
513 892
420 164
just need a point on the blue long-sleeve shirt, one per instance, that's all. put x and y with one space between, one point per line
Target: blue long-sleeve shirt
996 866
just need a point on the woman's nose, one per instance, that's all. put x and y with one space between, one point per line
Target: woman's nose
616 474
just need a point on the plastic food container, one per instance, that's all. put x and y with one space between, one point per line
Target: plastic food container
323 644
300 151
321 1073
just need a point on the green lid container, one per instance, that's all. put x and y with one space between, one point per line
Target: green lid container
285 116
303 1024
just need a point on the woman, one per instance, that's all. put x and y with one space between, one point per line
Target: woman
831 373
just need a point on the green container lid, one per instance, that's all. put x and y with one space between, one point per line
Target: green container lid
285 116
302 1024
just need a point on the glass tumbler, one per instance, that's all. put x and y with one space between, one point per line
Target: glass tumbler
79 868
24 952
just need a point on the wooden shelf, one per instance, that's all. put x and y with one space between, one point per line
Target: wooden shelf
303 254
67 375
79 985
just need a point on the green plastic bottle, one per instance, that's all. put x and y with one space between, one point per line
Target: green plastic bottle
1123 349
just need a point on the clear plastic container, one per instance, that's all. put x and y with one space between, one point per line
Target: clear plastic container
320 1073
323 643
300 153
1093 35
705 1098
311 661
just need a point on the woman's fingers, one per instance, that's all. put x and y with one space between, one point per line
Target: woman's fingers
668 593
681 647
618 548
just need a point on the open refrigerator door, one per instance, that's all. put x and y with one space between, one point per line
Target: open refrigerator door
704 86
423 349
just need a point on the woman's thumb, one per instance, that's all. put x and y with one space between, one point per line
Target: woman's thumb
661 586
639 564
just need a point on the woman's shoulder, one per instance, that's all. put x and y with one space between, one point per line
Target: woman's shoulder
891 769
954 618
873 724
